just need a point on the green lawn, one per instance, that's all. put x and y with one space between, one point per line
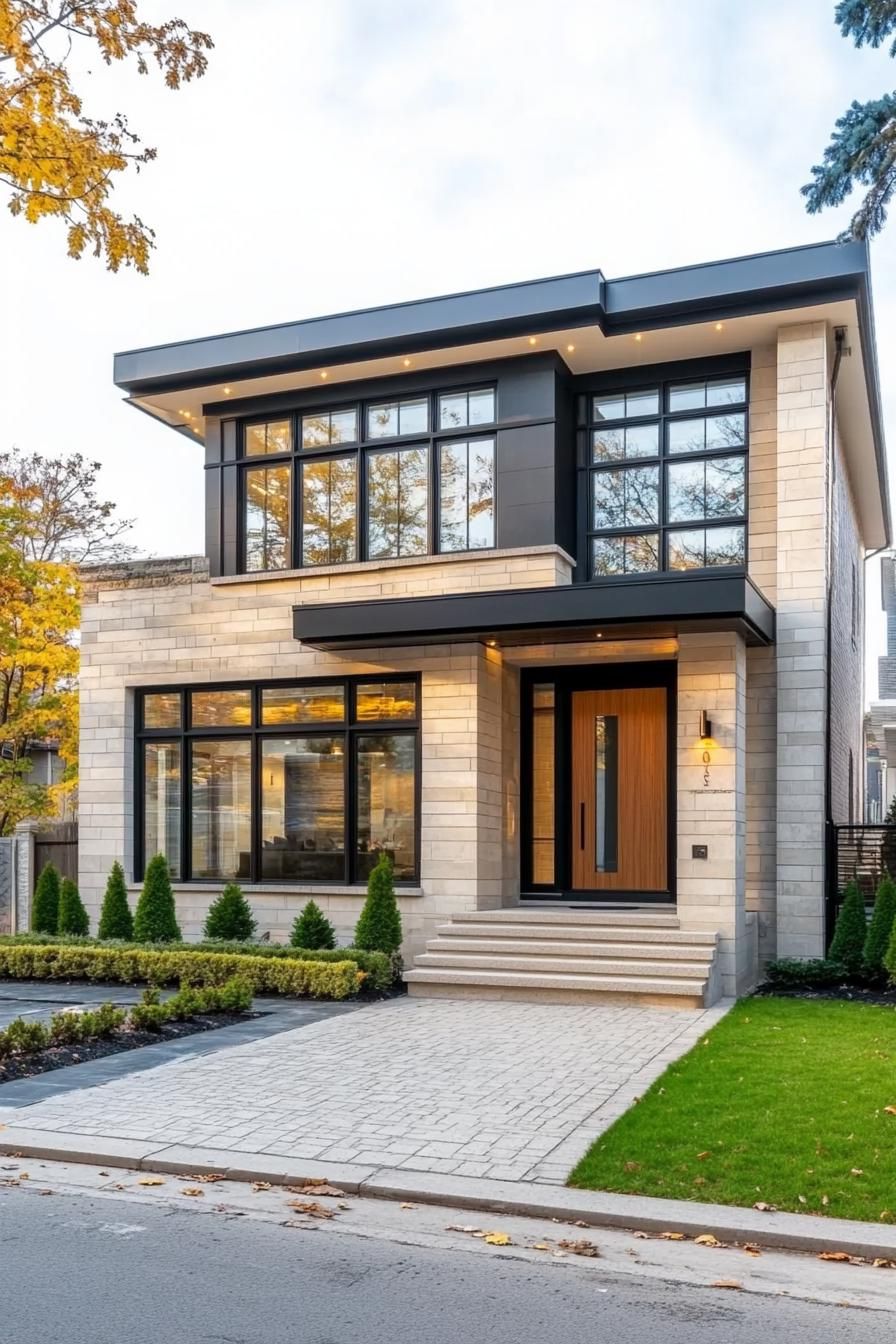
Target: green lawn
784 1102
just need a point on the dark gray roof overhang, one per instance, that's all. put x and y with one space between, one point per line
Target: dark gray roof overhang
644 608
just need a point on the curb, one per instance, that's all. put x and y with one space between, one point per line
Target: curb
784 1231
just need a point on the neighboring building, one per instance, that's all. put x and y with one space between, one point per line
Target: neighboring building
552 591
880 721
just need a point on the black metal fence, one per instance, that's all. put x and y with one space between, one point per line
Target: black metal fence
856 853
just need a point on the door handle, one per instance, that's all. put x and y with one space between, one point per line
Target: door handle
581 826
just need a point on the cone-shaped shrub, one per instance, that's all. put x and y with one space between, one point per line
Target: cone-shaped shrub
72 915
116 920
877 939
155 920
230 916
312 929
379 928
848 944
45 907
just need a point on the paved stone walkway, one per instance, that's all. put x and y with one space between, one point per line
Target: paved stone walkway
505 1091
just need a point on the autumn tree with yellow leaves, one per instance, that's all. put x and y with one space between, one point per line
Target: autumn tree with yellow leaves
51 520
55 160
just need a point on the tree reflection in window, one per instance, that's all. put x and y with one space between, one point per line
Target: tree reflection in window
329 497
467 495
267 518
397 503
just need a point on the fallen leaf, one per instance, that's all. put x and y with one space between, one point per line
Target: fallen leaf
586 1248
206 1177
23 1176
673 1236
839 1256
890 1110
46 1192
701 1157
802 1199
497 1239
825 1201
311 1208
258 1186
751 1248
707 1239
632 1166
460 1227
9 1180
294 1222
479 1234
579 1222
316 1188
644 1236
407 1206
883 1264
150 1180
727 1283
541 1246
192 1190
856 1171
766 1208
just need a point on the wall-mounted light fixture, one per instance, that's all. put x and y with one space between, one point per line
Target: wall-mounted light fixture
705 725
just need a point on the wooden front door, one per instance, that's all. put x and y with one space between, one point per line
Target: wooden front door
619 790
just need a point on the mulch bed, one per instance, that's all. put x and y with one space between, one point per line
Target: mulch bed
61 1056
883 998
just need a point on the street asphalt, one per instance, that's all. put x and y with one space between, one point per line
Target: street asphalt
135 1266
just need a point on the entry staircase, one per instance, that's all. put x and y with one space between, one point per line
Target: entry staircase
637 956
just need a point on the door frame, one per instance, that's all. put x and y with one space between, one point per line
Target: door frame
588 677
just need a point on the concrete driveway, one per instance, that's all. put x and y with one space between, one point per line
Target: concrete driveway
506 1091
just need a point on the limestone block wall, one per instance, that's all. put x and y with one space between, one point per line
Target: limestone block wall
847 650
164 622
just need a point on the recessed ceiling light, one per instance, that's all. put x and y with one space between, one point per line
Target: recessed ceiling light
533 340
227 391
638 336
323 373
407 363
598 635
569 349
719 326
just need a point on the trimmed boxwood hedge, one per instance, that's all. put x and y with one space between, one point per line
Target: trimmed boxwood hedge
379 970
130 966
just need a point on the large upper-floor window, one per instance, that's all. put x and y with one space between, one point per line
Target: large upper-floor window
282 782
376 480
666 467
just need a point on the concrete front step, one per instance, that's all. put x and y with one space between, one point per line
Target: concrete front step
646 990
464 927
635 947
664 917
599 966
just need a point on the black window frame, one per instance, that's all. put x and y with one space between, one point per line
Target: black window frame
468 440
350 727
661 378
359 450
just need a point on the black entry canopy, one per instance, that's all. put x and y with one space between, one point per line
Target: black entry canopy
653 607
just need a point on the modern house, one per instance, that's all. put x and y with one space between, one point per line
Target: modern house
552 591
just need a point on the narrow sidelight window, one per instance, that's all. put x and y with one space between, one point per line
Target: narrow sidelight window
221 807
397 503
392 419
467 495
459 409
542 799
606 790
162 802
303 808
267 518
385 773
329 511
327 427
274 436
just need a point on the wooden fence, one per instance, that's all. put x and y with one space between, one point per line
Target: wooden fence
57 844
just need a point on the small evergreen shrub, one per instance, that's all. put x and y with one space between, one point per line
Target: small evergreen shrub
116 920
45 907
230 916
155 920
72 915
149 1014
312 929
379 927
850 932
24 1037
877 939
815 973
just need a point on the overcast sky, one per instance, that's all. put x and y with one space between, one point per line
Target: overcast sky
341 153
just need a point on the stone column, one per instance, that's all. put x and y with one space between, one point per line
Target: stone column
801 667
25 877
712 800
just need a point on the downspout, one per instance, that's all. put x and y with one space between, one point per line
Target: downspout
840 348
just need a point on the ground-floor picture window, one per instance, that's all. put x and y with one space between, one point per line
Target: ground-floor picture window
280 782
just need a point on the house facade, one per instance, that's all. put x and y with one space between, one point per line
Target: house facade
554 592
